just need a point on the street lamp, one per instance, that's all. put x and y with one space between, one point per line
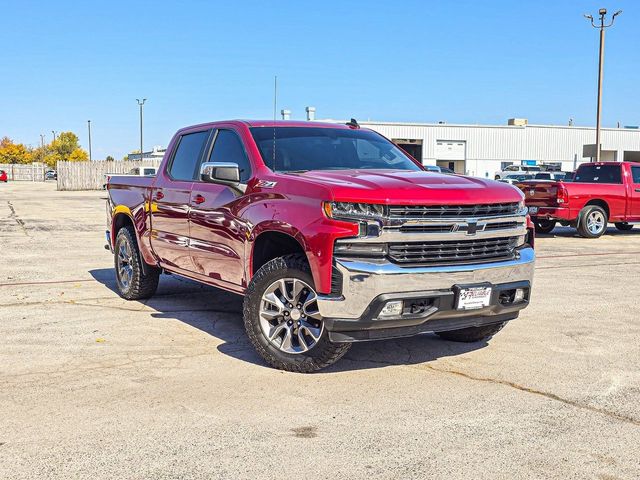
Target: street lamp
602 13
89 125
54 135
141 104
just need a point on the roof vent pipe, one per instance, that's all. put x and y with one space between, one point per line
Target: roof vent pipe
286 114
311 113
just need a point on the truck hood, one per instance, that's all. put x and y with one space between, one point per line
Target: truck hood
409 187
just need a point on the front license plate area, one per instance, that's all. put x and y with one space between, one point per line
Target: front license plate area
473 297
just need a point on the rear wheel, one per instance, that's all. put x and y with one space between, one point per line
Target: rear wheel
623 226
592 221
544 226
472 334
282 319
132 282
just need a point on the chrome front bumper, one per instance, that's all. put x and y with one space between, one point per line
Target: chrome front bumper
363 282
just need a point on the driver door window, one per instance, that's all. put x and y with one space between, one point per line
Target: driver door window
228 148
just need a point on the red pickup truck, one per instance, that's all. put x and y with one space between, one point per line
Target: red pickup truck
332 234
599 193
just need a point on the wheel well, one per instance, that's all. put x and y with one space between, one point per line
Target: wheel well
120 220
599 203
270 245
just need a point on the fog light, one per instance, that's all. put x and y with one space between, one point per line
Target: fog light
391 309
519 296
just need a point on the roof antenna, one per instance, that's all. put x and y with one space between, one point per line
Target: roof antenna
353 123
275 108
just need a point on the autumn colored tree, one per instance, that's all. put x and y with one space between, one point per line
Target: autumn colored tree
65 147
11 152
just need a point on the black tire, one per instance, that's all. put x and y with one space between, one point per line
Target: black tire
139 285
472 334
497 177
544 226
584 221
623 226
321 355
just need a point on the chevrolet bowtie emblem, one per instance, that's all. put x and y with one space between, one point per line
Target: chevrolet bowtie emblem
472 228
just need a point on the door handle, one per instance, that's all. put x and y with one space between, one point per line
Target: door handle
159 195
638 190
198 199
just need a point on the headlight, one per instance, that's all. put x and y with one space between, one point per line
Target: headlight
353 210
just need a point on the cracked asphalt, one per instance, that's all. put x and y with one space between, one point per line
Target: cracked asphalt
93 386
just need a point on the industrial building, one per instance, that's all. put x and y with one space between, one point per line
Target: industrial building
481 150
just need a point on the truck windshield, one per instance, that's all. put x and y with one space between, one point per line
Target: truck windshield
598 174
309 148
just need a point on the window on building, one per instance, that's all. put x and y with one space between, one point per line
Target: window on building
228 148
187 157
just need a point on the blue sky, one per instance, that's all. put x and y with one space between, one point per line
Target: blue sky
424 61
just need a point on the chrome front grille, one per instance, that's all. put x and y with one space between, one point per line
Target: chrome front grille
453 252
436 212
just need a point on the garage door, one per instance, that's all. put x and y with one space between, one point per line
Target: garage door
450 150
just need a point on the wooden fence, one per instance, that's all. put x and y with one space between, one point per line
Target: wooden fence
91 175
32 172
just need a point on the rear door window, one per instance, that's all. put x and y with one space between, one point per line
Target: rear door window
598 174
228 148
635 172
187 157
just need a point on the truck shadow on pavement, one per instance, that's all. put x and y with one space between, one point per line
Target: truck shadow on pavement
570 232
219 314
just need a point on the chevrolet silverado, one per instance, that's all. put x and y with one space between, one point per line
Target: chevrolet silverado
332 234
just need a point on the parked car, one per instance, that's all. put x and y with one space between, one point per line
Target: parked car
599 193
3 176
517 178
517 170
330 232
439 169
50 175
550 176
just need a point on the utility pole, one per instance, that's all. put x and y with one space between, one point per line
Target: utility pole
141 104
602 27
89 124
54 135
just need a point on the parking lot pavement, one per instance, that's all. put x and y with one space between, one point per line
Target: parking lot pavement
92 386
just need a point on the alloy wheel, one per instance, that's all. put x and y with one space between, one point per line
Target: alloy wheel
289 316
596 222
125 261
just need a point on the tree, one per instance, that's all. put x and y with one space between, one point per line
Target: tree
11 152
110 158
65 147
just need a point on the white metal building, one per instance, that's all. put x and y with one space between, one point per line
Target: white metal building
481 150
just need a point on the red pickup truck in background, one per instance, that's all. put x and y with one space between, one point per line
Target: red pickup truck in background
599 193
332 234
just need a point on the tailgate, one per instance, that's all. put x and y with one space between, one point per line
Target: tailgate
540 194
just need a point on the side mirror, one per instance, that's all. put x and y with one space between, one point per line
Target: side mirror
222 173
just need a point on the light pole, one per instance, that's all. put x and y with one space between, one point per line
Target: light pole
141 104
42 147
89 125
602 12
54 135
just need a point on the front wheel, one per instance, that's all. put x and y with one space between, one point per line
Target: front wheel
282 318
472 334
623 226
592 221
544 226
